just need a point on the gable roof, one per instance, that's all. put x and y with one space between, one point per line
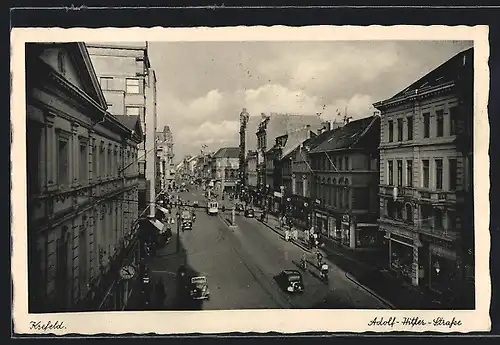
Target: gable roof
132 123
80 56
295 139
447 73
345 137
227 152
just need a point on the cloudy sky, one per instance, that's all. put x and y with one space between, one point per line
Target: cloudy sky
202 86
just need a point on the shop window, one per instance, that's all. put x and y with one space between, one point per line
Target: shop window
391 131
400 129
401 258
410 127
439 123
390 173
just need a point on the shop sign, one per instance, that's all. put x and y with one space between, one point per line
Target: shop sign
278 194
437 241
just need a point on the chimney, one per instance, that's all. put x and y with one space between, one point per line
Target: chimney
326 125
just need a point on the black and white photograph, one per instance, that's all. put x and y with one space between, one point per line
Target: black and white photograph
279 173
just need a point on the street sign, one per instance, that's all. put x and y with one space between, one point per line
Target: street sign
127 272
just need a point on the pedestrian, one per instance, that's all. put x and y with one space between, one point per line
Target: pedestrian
306 235
160 293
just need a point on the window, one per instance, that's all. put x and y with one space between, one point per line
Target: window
440 123
400 129
63 160
61 63
409 213
391 210
391 131
132 86
133 111
399 210
340 163
427 124
391 173
438 219
410 127
107 83
346 162
452 165
452 220
84 161
426 214
409 173
425 170
102 163
94 162
439 174
453 120
400 172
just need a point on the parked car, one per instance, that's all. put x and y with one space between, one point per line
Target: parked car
240 208
291 281
249 213
199 288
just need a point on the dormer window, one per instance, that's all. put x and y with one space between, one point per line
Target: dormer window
61 63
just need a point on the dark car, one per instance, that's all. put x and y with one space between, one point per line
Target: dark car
249 213
196 203
291 281
239 208
199 288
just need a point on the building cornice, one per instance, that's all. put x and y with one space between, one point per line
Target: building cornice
415 96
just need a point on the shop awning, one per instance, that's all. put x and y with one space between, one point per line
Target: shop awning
157 224
163 210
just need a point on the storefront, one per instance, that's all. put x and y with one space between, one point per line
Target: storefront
367 235
321 223
401 255
442 269
300 210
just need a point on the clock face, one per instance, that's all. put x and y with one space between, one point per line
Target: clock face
127 272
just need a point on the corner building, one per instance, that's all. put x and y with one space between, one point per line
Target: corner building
82 185
426 179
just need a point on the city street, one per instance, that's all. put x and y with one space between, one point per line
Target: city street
241 263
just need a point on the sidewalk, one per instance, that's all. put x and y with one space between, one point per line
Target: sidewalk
370 271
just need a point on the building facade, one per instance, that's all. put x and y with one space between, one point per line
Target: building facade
129 86
165 154
225 168
345 183
426 178
82 185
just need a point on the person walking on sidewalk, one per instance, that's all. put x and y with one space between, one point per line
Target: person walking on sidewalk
160 293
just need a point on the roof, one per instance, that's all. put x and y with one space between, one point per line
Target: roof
345 137
227 152
295 139
448 72
277 125
132 123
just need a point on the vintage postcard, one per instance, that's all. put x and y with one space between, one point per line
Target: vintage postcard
250 179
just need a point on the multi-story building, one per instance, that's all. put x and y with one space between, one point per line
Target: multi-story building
426 178
345 183
251 170
82 184
165 154
225 168
129 86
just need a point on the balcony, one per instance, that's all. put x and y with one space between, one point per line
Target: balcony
437 197
403 192
447 235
